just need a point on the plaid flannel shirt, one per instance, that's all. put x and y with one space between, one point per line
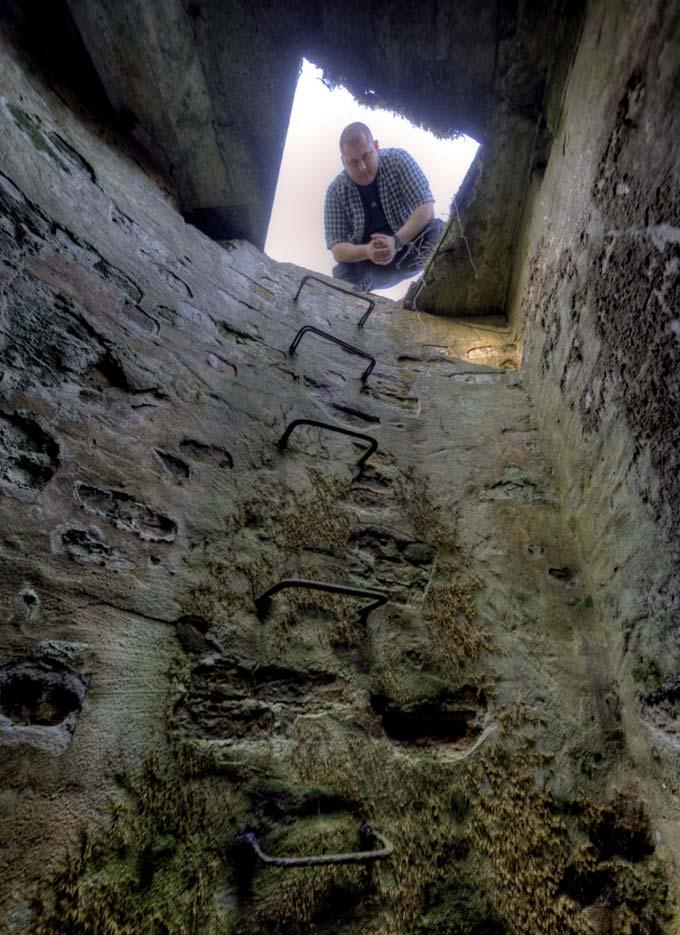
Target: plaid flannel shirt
402 186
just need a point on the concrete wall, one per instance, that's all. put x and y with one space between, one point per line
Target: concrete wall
596 304
476 719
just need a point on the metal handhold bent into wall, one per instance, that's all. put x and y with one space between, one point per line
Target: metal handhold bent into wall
283 441
343 344
355 295
378 598
366 834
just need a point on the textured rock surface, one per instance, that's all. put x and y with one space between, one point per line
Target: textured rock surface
470 271
480 719
597 302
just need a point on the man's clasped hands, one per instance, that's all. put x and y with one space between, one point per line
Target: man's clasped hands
381 249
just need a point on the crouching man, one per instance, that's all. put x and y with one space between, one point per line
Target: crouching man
379 213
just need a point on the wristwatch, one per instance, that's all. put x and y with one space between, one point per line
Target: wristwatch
398 242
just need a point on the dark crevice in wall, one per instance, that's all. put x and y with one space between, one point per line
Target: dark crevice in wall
48 34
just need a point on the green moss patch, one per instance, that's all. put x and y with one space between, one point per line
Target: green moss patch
157 867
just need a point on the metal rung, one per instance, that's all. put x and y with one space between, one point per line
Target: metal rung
366 834
343 344
378 598
283 441
355 295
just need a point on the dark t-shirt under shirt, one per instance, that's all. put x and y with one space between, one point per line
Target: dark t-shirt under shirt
376 222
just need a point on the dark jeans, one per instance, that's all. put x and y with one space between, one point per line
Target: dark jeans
407 261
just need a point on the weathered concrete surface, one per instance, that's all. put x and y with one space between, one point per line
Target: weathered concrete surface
470 271
597 304
183 77
475 719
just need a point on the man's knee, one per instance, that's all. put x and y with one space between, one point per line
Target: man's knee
421 247
354 273
432 232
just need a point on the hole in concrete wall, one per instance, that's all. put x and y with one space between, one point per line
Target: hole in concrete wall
29 456
179 469
454 719
31 696
85 542
191 631
311 160
28 603
583 885
619 828
87 546
356 415
124 512
661 709
198 451
229 700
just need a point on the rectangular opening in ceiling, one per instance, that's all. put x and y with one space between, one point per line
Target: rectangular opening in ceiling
311 160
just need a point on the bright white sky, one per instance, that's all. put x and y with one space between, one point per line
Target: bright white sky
311 160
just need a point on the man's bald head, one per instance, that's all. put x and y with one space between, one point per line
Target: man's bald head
354 134
360 153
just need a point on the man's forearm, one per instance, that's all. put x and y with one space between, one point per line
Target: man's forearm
419 218
349 252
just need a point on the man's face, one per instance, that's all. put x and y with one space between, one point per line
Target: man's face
361 161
